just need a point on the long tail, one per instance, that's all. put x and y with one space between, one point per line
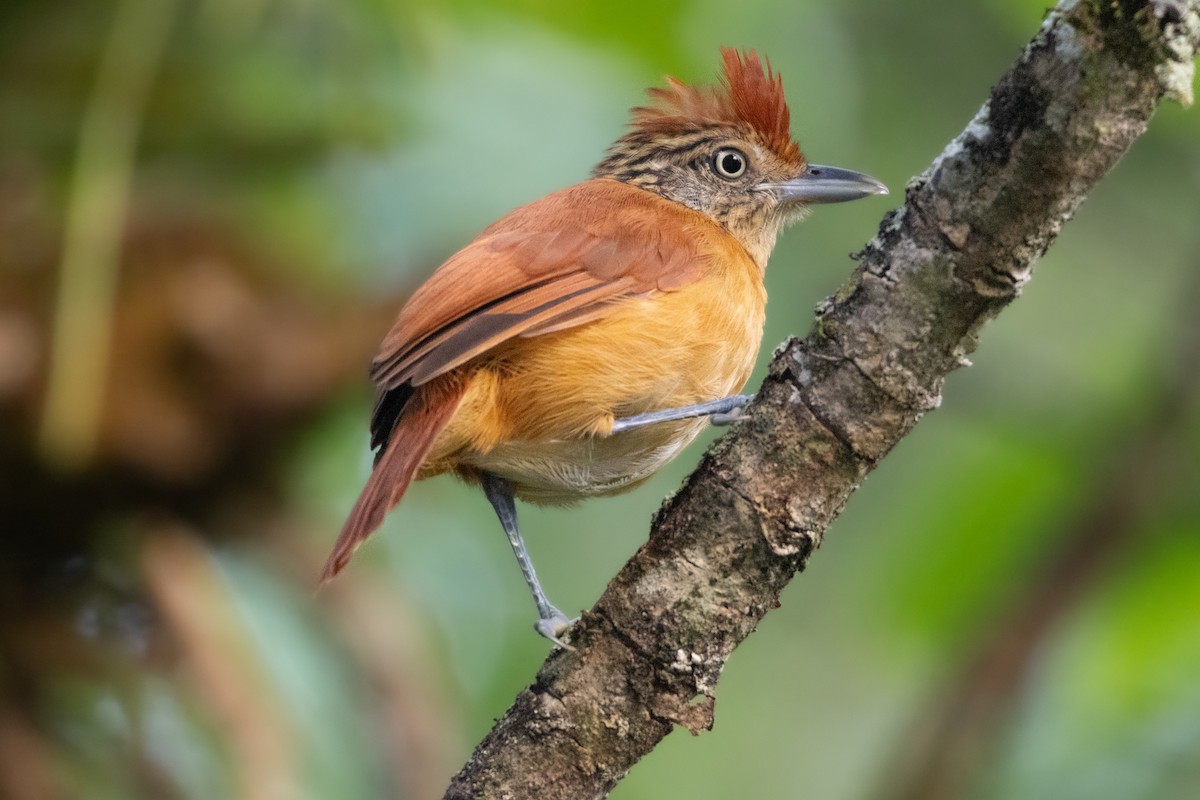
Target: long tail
426 413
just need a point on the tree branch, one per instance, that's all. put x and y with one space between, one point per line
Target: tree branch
721 550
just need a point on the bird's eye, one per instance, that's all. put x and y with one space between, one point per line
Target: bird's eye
729 163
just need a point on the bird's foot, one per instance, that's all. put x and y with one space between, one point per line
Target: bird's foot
715 410
736 413
554 625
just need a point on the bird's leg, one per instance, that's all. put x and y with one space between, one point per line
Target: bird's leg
551 623
720 412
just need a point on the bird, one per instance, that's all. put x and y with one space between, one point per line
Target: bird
582 341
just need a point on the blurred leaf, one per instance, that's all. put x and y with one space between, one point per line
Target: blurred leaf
1115 711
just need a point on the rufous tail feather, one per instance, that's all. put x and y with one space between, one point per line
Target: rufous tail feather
429 410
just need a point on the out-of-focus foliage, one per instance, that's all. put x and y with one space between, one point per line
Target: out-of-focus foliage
299 166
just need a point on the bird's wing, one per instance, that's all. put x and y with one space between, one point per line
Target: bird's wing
556 263
560 262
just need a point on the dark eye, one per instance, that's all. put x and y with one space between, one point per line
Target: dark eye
729 163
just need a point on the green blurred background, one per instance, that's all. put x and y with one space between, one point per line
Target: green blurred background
229 199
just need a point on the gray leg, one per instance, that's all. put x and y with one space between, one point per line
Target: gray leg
551 623
722 412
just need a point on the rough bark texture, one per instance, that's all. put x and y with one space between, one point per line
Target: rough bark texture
973 224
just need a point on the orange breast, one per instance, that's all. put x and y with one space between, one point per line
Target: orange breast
537 410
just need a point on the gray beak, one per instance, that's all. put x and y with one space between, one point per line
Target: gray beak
820 184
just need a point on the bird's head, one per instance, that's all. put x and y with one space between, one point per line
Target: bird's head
727 151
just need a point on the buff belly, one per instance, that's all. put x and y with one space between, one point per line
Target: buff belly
565 470
538 411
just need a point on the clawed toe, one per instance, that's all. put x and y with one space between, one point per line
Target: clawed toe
736 413
553 627
729 417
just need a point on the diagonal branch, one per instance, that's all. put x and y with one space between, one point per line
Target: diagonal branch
722 549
